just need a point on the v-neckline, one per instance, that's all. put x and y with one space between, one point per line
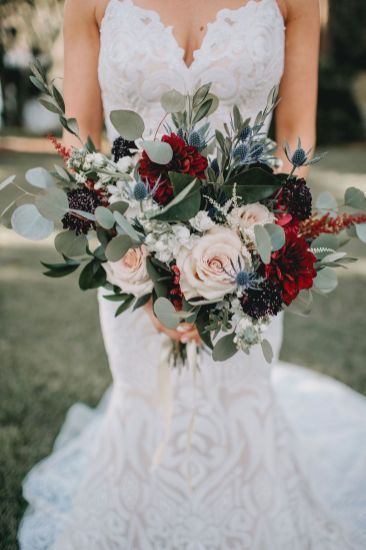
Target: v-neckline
209 25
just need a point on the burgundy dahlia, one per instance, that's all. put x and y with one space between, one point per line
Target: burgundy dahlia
292 267
295 198
265 300
186 160
80 199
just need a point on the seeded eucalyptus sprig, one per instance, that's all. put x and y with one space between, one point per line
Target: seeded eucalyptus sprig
55 102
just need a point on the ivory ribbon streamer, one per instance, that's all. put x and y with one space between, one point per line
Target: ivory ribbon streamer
165 397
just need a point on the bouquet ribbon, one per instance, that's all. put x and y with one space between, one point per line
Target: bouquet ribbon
165 397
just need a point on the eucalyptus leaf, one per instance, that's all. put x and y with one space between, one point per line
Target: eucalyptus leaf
62 173
118 247
39 177
224 348
325 240
6 182
27 221
53 204
263 241
119 206
333 257
104 217
173 101
166 313
128 124
326 202
159 152
302 304
325 280
361 231
277 235
126 227
69 244
267 350
355 198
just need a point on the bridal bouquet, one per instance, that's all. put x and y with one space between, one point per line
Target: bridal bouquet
196 220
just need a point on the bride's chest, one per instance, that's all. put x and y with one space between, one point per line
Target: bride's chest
242 54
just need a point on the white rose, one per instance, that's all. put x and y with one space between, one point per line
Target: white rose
201 222
246 217
98 160
130 273
206 270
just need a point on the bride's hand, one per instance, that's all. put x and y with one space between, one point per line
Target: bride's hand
183 333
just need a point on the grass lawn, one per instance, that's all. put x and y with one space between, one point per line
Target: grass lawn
52 353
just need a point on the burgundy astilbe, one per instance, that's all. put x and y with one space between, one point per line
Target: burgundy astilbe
62 151
314 226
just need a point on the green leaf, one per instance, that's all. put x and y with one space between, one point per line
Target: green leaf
253 185
201 324
361 231
92 276
62 173
6 182
126 304
214 103
159 286
27 221
72 126
184 206
166 313
38 84
58 98
277 235
325 280
267 350
53 204
51 106
126 227
158 151
143 300
128 124
70 244
238 121
118 206
263 241
326 202
179 181
117 247
39 177
355 198
104 217
224 348
63 271
173 101
201 94
116 297
203 110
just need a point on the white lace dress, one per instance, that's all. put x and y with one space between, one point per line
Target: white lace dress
277 459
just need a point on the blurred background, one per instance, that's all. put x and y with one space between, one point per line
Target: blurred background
51 352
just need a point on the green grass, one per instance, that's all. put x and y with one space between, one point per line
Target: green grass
52 353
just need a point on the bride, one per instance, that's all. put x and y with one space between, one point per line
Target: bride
274 460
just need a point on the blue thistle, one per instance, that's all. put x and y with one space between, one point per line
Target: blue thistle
245 133
241 152
215 166
257 151
139 191
300 157
194 139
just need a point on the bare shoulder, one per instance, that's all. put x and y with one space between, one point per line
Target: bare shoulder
295 9
85 11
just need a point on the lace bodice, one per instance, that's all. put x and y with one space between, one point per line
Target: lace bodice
242 54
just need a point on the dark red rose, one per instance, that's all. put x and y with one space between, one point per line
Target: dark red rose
292 267
186 160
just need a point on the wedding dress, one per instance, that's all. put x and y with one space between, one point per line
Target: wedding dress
277 455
